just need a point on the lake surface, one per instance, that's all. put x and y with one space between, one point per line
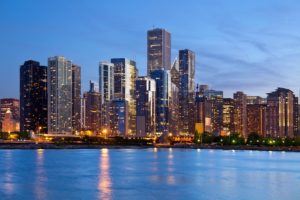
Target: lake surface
149 174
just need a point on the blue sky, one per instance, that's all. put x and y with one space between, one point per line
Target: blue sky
247 45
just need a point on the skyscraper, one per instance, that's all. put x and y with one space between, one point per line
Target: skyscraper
59 95
12 105
162 82
256 118
106 90
158 50
213 111
240 113
280 113
186 91
228 116
76 98
125 74
92 109
145 106
33 97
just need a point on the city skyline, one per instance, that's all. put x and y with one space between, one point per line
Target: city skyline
232 54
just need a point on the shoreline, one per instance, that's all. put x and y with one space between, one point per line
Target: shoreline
33 146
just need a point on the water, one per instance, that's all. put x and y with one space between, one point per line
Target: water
149 174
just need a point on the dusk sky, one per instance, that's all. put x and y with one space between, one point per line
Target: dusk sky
247 45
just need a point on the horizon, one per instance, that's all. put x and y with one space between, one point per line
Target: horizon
239 46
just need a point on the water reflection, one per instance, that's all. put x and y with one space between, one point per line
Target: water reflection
170 168
40 178
104 184
8 185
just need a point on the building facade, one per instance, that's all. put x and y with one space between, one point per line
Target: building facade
158 49
119 114
76 98
228 116
280 113
92 110
162 82
59 95
106 90
145 107
125 74
240 113
12 105
256 119
186 92
33 97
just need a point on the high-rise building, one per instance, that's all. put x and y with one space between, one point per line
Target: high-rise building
228 116
162 82
59 95
240 113
199 111
280 113
76 98
33 97
213 111
12 105
256 118
106 90
158 50
145 106
119 117
186 91
296 116
174 109
125 73
92 109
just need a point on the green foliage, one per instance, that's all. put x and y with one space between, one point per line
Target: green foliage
254 139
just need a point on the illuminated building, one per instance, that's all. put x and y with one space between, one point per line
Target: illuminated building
119 114
162 82
9 124
13 105
228 116
256 118
280 113
92 109
33 97
145 106
83 112
106 90
59 95
125 74
186 91
76 98
158 50
199 111
240 113
213 111
173 109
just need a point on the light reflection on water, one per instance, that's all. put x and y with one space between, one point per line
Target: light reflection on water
104 185
148 173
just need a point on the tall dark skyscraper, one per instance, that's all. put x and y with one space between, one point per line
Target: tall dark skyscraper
186 91
33 97
158 50
162 81
76 98
145 106
119 117
92 109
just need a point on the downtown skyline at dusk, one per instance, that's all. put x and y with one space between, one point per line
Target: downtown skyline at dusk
232 54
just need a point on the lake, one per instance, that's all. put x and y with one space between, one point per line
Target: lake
149 174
